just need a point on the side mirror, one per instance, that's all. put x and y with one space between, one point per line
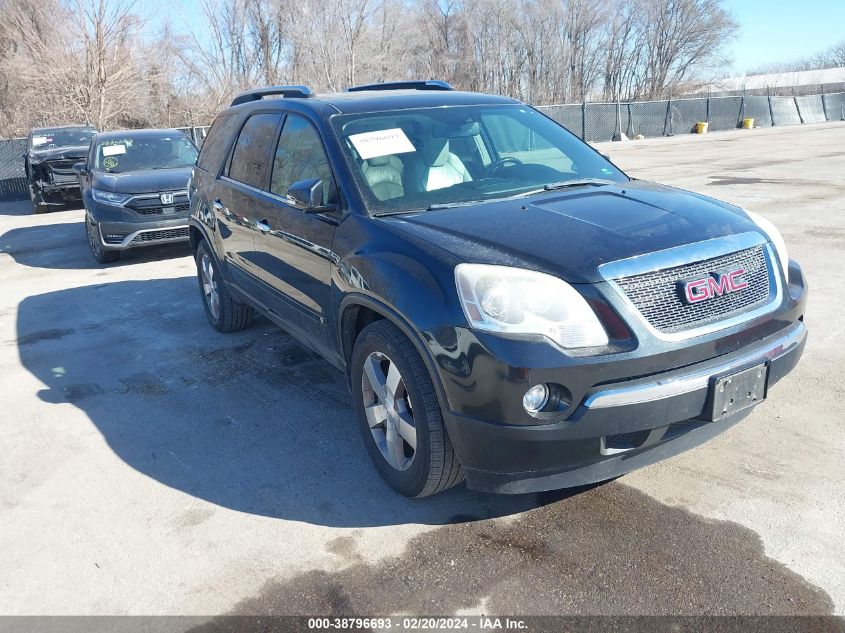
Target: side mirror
308 196
80 167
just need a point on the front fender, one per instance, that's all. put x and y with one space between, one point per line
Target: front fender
410 276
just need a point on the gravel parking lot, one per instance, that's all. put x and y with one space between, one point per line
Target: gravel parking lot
151 465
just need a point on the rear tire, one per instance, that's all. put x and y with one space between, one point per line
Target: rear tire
399 414
223 312
101 254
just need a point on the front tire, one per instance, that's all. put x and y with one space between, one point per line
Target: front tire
223 312
101 254
399 414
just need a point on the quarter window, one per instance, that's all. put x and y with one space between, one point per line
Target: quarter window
216 142
300 156
252 151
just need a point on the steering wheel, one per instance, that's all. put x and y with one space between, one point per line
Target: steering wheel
496 165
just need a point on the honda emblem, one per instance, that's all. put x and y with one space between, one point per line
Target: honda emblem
166 198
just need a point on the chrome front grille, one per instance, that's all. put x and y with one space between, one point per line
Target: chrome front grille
658 297
150 204
173 209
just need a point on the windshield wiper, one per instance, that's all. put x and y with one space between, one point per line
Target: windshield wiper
579 182
565 184
452 205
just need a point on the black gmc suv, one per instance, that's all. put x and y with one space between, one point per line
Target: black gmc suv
135 190
48 164
508 306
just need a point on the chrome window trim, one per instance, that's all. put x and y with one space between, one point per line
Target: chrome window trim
689 254
693 381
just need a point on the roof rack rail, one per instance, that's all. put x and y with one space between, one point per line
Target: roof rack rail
431 84
288 92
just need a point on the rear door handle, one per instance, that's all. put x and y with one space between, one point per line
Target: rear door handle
263 226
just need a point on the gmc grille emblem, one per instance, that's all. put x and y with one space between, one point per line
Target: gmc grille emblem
166 198
714 285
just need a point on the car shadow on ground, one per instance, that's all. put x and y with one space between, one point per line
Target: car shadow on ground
16 207
65 246
250 421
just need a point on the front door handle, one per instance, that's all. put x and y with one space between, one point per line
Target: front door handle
263 226
218 206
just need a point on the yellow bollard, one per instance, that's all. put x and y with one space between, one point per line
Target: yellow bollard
701 128
747 124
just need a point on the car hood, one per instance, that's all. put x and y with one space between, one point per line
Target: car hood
571 233
144 181
58 153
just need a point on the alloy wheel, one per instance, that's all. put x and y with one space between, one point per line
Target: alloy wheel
209 286
390 414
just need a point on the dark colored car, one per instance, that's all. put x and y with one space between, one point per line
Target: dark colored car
507 305
48 163
135 190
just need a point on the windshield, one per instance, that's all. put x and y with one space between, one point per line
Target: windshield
62 137
118 155
415 159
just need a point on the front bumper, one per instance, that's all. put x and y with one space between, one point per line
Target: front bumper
119 236
121 228
658 416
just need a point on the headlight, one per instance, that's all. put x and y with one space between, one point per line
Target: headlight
774 236
108 197
523 302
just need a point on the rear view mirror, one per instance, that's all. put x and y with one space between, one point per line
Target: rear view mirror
80 167
308 195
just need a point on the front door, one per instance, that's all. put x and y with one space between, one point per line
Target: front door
297 246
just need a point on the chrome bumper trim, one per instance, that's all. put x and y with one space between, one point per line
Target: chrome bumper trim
127 241
693 381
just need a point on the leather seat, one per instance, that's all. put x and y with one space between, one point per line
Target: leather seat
384 175
445 170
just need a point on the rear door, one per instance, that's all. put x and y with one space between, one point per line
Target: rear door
234 198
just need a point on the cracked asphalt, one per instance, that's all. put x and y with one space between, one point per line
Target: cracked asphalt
150 465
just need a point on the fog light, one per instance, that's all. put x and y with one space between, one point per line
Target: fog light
535 398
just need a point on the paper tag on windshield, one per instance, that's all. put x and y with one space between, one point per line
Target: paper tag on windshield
39 140
111 150
381 143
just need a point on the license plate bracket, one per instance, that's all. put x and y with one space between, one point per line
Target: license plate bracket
740 390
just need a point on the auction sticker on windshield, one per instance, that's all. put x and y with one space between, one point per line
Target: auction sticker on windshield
381 143
111 150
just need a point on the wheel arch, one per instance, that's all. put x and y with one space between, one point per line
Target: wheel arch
359 310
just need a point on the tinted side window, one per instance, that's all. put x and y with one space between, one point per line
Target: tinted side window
252 150
300 156
217 142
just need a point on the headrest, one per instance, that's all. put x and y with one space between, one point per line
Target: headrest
443 155
378 161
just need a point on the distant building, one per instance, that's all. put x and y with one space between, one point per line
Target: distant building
798 82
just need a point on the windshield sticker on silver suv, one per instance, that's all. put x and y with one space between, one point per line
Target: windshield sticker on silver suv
381 143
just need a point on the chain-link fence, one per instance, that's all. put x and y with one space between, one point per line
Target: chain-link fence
12 177
597 122
593 122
